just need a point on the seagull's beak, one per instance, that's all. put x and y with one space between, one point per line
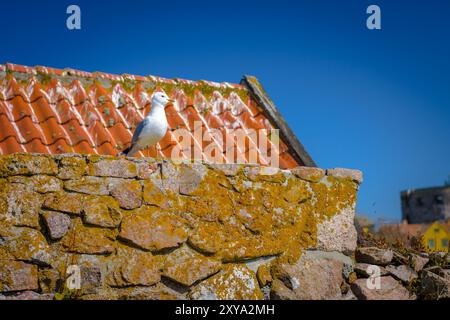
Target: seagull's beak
171 101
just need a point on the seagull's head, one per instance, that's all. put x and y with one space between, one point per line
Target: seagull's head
161 98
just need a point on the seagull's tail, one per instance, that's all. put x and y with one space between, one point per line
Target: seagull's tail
124 152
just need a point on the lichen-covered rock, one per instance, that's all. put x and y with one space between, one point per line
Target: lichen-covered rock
38 183
279 291
28 295
389 289
334 206
19 205
88 185
296 192
153 193
263 275
119 168
402 272
101 211
207 237
187 266
17 276
352 277
374 255
91 278
190 177
67 202
146 168
311 277
71 167
58 224
234 282
355 175
152 229
49 280
170 176
267 174
243 217
90 269
158 291
27 164
228 169
90 240
25 244
128 193
311 174
134 267
338 232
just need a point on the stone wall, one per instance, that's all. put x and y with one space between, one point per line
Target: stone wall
147 229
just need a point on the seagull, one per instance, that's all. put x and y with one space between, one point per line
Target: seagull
152 129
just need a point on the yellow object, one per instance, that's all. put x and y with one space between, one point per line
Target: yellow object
436 237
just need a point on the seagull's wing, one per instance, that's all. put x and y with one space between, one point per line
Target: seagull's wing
138 131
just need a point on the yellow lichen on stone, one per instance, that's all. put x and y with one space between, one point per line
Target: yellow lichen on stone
134 267
153 194
207 237
89 240
333 195
19 205
27 164
72 167
187 266
152 229
263 275
39 183
65 202
102 211
251 220
234 282
88 185
184 220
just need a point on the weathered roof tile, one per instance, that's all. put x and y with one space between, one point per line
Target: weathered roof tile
49 110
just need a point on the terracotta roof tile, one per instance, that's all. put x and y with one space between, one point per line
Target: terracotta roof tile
49 110
106 148
42 110
29 131
8 129
11 145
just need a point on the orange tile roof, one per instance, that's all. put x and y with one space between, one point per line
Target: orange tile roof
47 110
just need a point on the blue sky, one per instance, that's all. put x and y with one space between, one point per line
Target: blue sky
377 100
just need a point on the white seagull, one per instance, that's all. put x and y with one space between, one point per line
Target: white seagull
152 129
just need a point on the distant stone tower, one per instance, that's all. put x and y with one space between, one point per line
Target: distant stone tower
426 205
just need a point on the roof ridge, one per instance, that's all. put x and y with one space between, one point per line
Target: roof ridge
12 67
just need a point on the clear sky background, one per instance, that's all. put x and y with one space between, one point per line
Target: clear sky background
378 101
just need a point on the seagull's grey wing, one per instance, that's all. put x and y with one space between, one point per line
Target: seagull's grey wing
138 131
